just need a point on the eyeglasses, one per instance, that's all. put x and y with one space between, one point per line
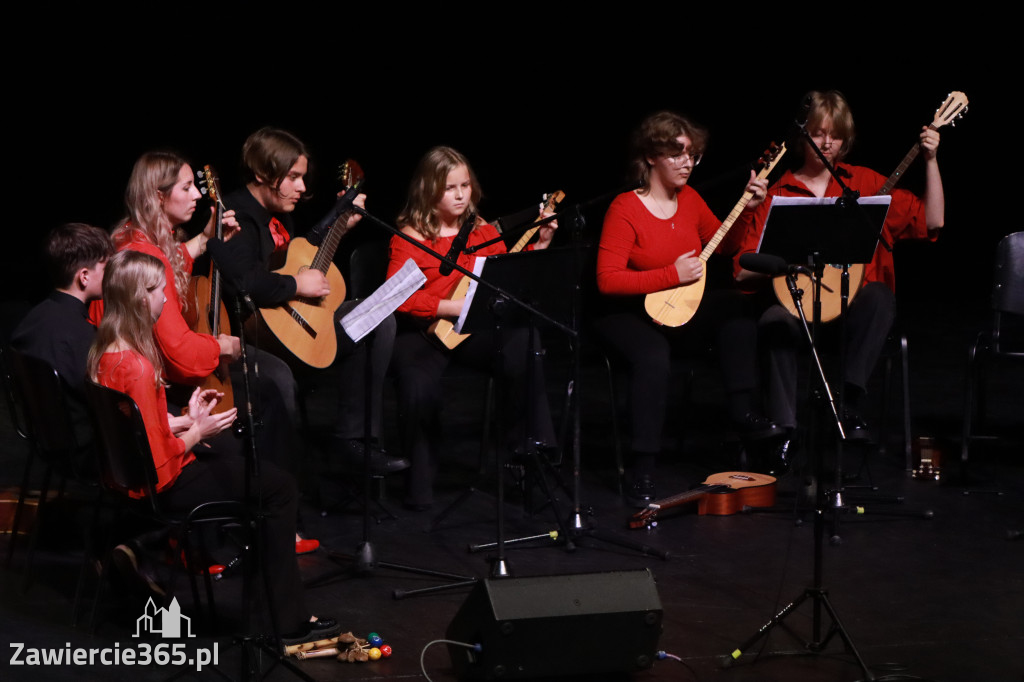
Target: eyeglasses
679 158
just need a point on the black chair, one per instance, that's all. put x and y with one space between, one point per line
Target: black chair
992 344
38 391
126 467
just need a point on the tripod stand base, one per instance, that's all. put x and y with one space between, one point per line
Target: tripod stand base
819 597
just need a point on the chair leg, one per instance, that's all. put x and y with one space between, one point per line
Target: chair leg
620 467
44 491
969 404
19 508
908 454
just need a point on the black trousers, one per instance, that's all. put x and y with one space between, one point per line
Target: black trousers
419 363
216 476
868 321
647 349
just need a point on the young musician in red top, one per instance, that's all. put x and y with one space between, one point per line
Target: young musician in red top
872 310
160 198
126 356
443 192
650 241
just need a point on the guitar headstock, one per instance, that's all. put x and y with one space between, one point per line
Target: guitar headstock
351 174
953 108
645 518
770 158
209 184
551 201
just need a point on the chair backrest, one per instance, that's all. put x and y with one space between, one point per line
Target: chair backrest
1008 278
40 393
126 462
11 394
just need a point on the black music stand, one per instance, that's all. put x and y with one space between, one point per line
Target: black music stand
819 231
544 280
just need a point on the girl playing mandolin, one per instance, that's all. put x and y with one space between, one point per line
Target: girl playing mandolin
444 191
872 310
650 242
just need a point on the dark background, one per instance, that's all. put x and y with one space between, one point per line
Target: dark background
535 102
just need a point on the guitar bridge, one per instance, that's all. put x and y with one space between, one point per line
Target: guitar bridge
301 320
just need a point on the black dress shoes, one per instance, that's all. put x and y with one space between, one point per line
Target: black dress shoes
756 427
641 492
323 628
352 451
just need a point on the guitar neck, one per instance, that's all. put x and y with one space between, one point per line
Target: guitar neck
325 254
688 496
734 214
524 240
901 169
215 289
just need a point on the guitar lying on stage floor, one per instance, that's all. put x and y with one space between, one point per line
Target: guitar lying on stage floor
721 494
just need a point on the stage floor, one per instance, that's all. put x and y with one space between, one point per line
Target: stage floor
937 598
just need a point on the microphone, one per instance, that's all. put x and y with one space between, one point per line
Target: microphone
801 115
764 264
458 244
343 204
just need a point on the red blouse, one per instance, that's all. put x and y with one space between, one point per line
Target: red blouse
131 373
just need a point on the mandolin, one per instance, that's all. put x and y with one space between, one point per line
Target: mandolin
210 313
677 306
305 326
444 329
721 494
952 109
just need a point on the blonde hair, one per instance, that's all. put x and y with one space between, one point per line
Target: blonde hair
154 175
427 188
833 106
128 278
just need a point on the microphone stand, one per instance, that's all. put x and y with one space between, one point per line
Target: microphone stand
253 647
817 593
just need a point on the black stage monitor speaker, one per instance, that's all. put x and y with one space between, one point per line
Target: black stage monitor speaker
557 626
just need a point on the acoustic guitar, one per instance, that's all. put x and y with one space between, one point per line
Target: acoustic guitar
952 109
721 494
677 306
444 329
305 326
208 314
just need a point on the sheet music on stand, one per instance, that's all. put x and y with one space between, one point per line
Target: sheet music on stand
478 267
365 317
793 229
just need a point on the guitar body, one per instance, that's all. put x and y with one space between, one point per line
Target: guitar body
443 329
741 489
721 494
831 301
675 307
306 326
199 317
